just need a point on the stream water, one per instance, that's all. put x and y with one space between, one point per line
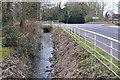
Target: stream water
41 62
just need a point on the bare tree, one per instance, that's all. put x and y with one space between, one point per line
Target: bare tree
95 9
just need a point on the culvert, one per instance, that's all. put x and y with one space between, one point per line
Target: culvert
47 29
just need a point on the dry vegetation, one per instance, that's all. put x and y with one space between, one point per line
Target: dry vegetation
17 62
72 61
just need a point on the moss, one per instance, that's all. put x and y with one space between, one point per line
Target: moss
54 77
55 62
4 52
31 70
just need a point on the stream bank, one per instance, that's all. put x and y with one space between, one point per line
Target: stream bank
23 45
73 61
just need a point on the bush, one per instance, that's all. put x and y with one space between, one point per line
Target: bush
11 35
27 45
88 18
22 43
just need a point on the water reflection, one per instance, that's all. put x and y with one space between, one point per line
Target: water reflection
42 64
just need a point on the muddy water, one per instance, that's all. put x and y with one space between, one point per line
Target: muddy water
42 64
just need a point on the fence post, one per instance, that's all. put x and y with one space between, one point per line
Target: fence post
70 31
94 44
79 36
111 45
85 39
74 34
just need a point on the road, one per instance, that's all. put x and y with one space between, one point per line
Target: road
112 32
98 28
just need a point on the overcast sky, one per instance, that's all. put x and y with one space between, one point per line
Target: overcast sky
110 3
109 6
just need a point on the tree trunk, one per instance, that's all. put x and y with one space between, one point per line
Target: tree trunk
22 22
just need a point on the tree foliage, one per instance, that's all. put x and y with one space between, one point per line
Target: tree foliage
74 12
20 11
67 14
23 36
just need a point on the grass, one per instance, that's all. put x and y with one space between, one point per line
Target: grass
82 42
99 56
99 22
55 62
84 63
109 25
3 50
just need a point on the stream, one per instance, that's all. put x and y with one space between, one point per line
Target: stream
41 62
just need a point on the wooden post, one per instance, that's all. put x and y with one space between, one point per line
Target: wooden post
95 44
79 35
74 35
71 31
85 40
111 45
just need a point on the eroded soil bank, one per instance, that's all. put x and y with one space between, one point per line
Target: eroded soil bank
72 61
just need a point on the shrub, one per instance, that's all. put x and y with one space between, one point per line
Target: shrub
88 18
11 35
28 45
22 43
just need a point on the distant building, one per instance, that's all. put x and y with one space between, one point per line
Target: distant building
116 17
112 16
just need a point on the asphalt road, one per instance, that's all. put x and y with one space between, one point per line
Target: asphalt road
99 28
112 32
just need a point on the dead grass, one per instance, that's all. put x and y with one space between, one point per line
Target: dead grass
74 60
18 65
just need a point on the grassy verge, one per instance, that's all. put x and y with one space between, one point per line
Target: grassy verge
91 49
107 25
102 22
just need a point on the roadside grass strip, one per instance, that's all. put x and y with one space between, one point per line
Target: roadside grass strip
99 54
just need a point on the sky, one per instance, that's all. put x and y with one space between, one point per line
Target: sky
113 5
110 3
